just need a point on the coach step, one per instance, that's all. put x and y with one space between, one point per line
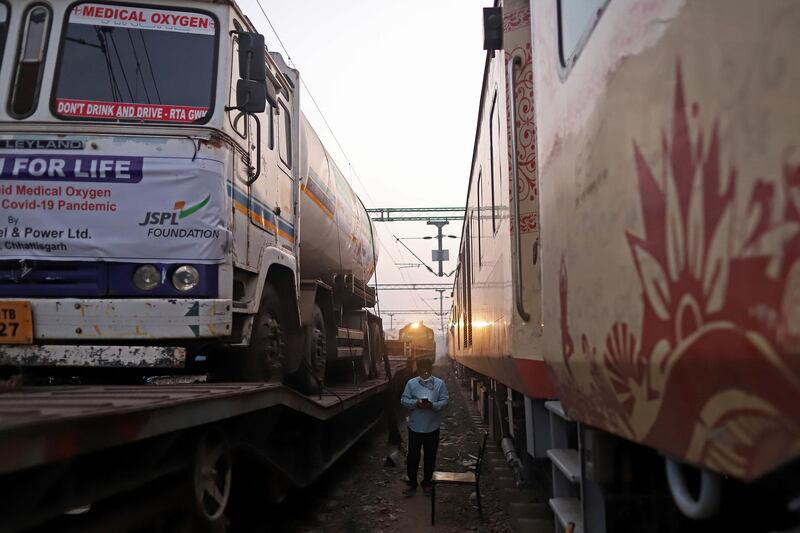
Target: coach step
532 525
567 511
530 510
568 462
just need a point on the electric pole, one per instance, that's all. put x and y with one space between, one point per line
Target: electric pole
439 255
441 305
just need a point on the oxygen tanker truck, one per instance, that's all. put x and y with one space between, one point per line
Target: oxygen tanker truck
159 213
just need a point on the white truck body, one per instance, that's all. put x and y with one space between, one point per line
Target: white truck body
148 168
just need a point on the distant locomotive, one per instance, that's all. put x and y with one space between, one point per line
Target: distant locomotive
416 341
420 340
628 286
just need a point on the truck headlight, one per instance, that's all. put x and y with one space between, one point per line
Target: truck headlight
146 277
185 278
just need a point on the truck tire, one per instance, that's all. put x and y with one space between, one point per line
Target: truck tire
363 364
376 349
264 357
317 347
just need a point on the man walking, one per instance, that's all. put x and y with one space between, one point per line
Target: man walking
426 396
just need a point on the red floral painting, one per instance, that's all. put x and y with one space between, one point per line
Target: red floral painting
713 374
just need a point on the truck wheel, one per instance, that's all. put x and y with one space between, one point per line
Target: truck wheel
364 363
317 347
264 357
376 349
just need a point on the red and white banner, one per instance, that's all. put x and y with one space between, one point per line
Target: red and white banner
143 19
121 110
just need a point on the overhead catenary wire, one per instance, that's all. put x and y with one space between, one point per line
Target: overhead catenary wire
263 12
339 145
139 70
316 105
150 64
116 93
121 65
396 238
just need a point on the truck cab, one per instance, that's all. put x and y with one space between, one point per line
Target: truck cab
143 207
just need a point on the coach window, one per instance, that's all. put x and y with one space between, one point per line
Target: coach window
494 149
576 20
480 209
463 298
30 61
129 63
468 279
457 306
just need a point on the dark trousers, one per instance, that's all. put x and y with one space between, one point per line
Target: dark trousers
428 441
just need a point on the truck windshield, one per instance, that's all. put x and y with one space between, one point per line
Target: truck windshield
125 63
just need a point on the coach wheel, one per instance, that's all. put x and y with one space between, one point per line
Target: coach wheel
697 493
212 477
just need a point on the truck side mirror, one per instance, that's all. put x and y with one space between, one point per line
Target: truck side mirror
252 56
254 88
251 96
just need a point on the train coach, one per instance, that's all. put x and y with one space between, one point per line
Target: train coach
628 286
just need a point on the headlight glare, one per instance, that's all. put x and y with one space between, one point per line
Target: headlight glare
146 278
185 278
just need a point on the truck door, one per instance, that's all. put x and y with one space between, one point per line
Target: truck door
283 184
261 193
251 215
237 187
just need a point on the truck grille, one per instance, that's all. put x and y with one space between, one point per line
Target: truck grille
42 279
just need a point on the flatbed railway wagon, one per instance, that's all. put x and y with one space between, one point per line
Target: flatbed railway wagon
167 210
172 456
626 297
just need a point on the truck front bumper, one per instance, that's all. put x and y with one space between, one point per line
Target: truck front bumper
93 356
74 332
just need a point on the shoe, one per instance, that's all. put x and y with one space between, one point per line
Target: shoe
409 489
427 489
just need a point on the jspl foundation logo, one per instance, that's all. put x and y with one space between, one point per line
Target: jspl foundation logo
171 218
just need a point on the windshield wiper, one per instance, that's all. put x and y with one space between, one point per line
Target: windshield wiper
116 94
83 42
110 33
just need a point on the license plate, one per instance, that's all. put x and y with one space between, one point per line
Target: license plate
16 323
